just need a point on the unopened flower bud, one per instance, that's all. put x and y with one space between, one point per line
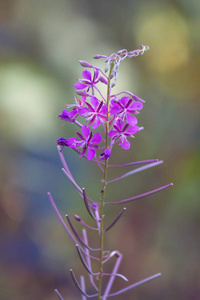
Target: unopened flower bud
85 64
77 218
137 98
62 142
102 79
97 56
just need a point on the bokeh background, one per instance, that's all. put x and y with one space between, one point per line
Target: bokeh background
41 43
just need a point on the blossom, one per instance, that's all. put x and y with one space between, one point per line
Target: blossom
95 113
87 142
125 108
121 132
67 115
88 81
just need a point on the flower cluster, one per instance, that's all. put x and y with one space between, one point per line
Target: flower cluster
103 120
115 113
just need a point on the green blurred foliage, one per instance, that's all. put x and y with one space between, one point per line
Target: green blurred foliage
41 43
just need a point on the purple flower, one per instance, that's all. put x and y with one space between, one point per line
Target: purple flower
121 132
67 115
87 142
124 108
95 113
88 81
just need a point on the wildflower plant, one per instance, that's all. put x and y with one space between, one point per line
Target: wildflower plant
103 122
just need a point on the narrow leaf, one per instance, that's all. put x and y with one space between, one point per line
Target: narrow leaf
135 163
134 285
141 195
137 170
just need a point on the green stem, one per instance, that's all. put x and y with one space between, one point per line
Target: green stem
103 192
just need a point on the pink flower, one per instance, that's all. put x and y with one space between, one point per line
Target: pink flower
121 132
125 108
87 142
88 81
95 113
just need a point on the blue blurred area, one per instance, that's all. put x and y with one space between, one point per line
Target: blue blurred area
40 45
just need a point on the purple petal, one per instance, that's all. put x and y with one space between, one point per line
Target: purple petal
136 105
95 102
83 111
79 86
90 154
72 142
115 110
132 130
80 136
131 120
104 110
125 143
112 133
120 124
85 131
96 74
124 100
87 75
96 123
96 138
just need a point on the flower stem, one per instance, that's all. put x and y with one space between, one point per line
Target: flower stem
103 191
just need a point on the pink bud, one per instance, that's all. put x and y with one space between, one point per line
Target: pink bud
85 64
97 56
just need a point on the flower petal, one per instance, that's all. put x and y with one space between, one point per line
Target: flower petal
85 131
83 111
96 123
90 154
132 130
131 120
95 102
124 101
115 110
79 86
96 74
87 75
72 142
125 143
136 105
96 138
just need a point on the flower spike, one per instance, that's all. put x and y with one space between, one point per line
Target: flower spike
107 120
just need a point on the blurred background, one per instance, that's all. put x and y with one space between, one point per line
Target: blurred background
41 43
